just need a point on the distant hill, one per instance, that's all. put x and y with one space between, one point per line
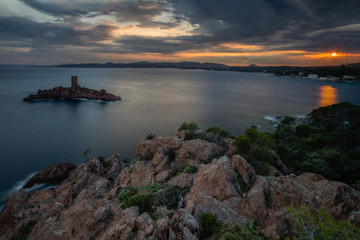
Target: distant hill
191 65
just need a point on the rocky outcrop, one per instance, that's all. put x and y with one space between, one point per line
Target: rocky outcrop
85 205
52 174
68 93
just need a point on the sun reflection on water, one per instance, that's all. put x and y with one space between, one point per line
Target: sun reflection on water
327 96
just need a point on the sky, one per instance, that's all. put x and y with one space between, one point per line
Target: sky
232 32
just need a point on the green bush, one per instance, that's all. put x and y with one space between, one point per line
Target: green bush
246 231
320 225
102 161
150 136
192 127
209 224
86 152
24 230
151 187
288 120
190 169
19 237
145 203
126 193
126 160
262 168
219 131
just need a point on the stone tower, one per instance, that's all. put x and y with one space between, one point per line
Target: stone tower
74 83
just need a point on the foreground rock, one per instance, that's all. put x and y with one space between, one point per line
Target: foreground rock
85 206
52 174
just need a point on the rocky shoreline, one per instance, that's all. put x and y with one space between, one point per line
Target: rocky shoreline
212 178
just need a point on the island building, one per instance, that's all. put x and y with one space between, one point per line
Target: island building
74 83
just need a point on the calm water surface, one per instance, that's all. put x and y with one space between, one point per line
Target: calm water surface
38 134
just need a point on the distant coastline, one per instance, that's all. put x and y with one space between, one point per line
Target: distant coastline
349 73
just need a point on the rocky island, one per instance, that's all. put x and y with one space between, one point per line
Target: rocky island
72 93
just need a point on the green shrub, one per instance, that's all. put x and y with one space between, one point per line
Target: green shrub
19 237
246 231
102 161
151 187
145 203
126 193
190 169
150 136
209 224
24 230
86 152
192 127
176 171
212 156
288 120
149 156
319 225
219 131
262 168
126 160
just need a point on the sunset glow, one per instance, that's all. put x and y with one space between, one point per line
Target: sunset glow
327 96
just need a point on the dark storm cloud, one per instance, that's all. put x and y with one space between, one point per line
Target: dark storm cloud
141 11
162 45
57 10
41 34
274 22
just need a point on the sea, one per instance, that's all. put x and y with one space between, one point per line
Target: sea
34 135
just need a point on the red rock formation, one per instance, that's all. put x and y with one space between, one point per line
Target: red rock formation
84 206
52 174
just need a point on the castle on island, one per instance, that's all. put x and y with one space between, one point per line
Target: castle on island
74 83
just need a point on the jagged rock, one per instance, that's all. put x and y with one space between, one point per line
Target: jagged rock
267 200
160 161
122 225
197 151
162 177
276 162
169 142
182 180
216 190
114 166
144 225
184 223
245 170
231 147
51 174
162 232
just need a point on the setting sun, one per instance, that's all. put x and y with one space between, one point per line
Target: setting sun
334 54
